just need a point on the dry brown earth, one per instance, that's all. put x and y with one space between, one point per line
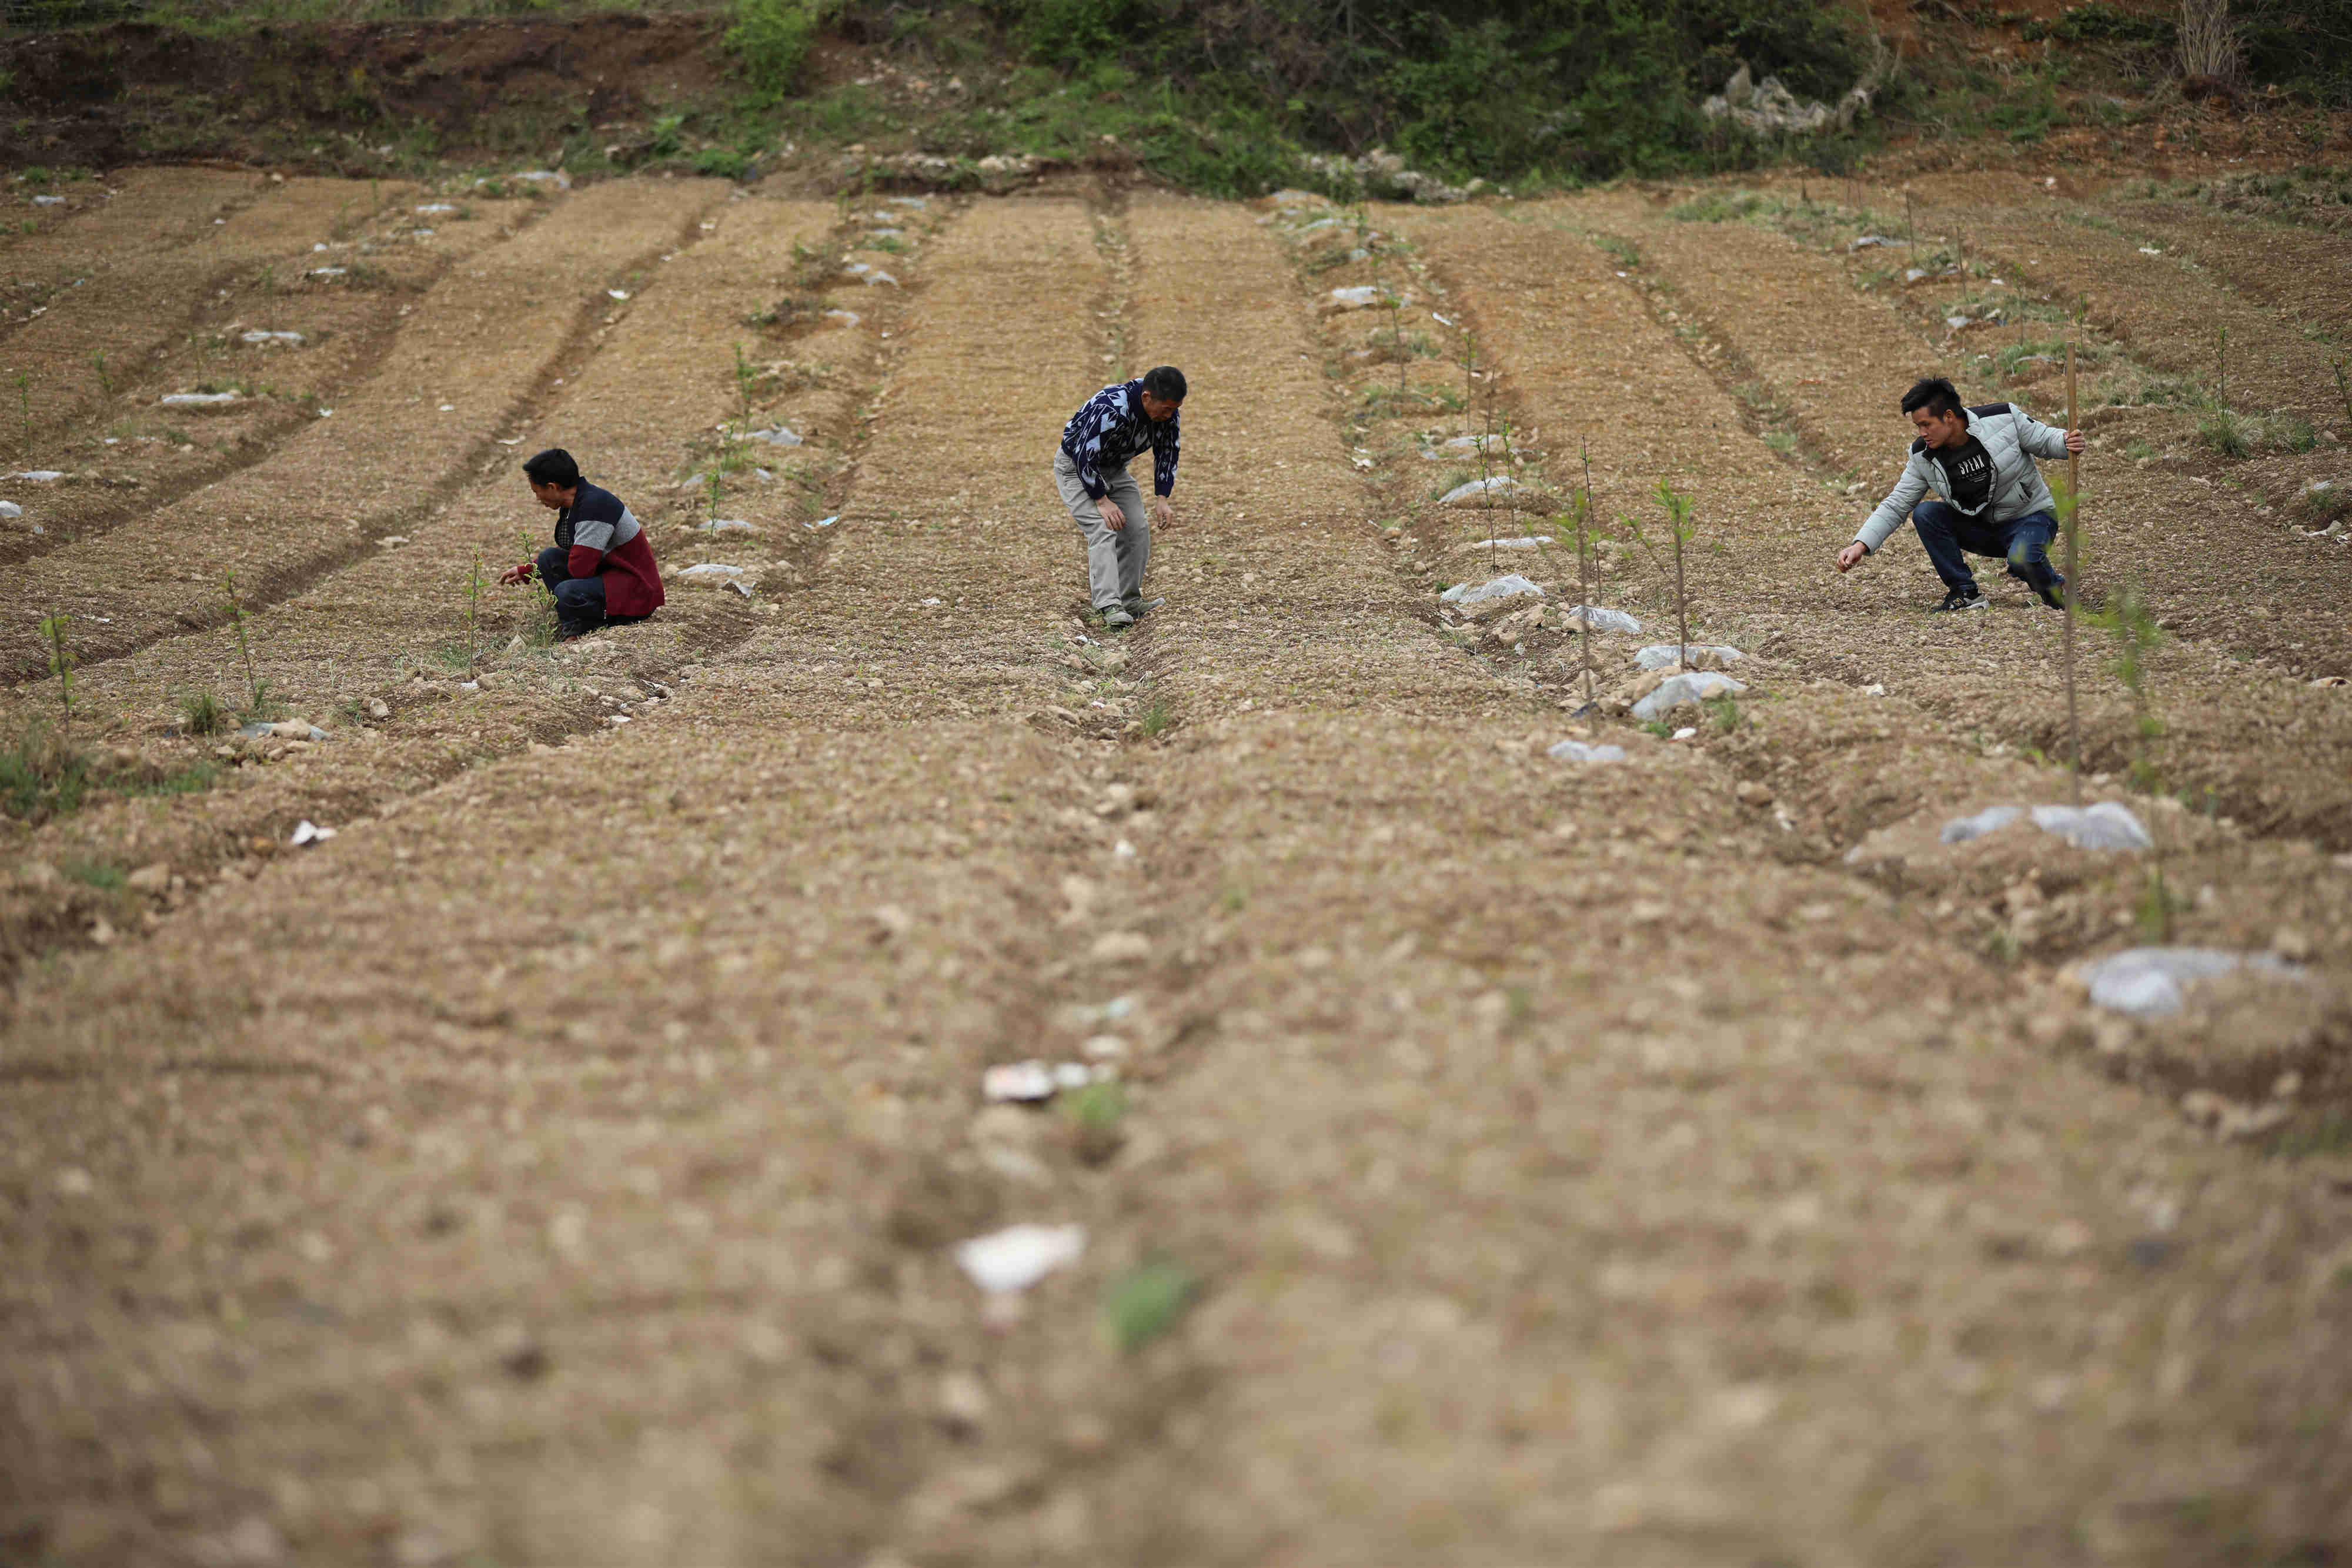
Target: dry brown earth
1683 1159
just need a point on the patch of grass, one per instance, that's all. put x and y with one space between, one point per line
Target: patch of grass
2320 507
1157 717
1145 1302
104 875
194 780
201 713
2227 432
1725 711
2321 1131
1095 1113
1660 728
42 775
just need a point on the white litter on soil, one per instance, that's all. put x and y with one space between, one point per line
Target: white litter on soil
1600 617
1992 819
727 526
1660 656
10 509
2148 981
1358 297
310 832
37 475
266 337
2106 826
1577 751
197 400
1696 686
1527 541
1481 489
1500 588
776 435
708 571
1019 1256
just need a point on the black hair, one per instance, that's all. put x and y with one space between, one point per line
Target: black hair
553 466
1935 394
1165 382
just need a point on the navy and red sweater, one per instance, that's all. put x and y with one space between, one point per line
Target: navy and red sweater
605 540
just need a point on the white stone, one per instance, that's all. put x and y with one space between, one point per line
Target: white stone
777 435
269 337
10 509
197 400
1578 751
1531 541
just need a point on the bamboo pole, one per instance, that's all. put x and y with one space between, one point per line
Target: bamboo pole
2074 514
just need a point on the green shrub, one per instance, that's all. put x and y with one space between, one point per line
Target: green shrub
42 775
771 41
201 713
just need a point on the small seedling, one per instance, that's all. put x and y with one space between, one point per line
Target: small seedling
105 383
1680 529
245 647
1095 1113
475 584
2222 355
712 487
1157 718
25 405
53 632
201 713
744 377
2344 385
540 631
1145 1302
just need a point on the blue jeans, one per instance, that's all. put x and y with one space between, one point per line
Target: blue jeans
1950 536
579 601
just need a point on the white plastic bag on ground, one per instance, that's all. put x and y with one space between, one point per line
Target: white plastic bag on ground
1503 586
1992 819
1662 655
1481 489
2147 981
1577 751
1600 617
2109 825
1019 1256
1695 687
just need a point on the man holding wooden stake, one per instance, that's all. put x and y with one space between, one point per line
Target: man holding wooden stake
1995 503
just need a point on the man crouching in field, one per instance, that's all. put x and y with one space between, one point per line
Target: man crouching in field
1980 460
1117 424
600 568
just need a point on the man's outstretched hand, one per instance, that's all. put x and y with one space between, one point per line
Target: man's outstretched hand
1851 554
515 574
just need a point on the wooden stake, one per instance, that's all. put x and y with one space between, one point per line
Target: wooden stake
2073 526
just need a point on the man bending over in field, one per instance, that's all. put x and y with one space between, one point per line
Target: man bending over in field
600 568
1090 470
1980 460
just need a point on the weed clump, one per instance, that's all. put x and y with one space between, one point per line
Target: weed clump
201 713
1146 1303
42 775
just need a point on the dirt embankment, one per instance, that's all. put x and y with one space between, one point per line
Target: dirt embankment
326 95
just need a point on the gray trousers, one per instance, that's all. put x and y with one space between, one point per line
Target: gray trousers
1114 561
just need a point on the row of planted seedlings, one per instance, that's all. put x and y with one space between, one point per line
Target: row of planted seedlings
1427 402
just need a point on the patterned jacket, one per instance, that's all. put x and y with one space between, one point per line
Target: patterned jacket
2012 438
1113 428
601 537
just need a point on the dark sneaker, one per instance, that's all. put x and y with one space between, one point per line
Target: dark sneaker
1141 606
565 631
1117 619
2048 591
1961 599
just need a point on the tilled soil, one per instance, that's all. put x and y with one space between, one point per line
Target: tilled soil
1683 1158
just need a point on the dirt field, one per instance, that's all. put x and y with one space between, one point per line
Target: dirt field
1688 1157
